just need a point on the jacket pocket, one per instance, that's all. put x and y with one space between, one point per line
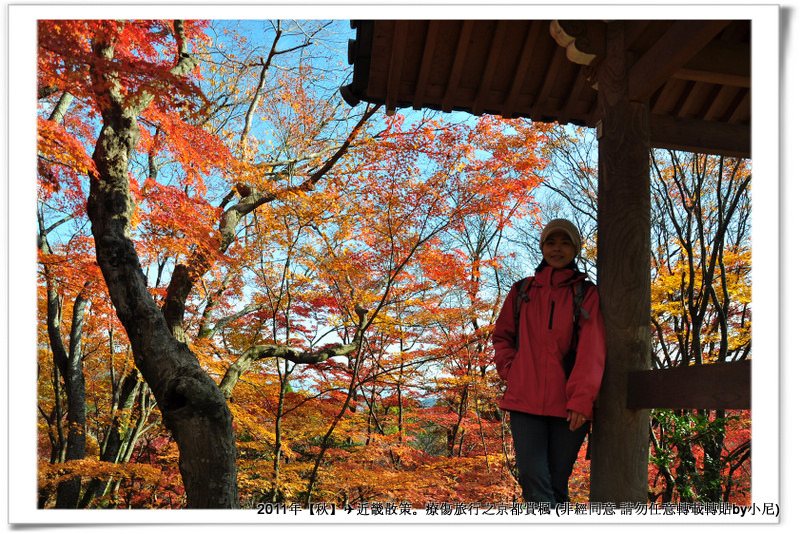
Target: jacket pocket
506 370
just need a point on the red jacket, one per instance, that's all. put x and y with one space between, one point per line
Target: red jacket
536 381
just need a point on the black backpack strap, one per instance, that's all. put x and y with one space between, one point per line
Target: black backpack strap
578 291
522 295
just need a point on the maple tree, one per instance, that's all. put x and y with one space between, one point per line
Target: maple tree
120 70
249 284
403 276
361 252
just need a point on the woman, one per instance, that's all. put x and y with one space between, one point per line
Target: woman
549 399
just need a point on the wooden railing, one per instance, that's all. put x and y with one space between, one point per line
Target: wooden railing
711 386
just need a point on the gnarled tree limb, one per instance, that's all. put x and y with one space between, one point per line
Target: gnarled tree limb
260 352
192 407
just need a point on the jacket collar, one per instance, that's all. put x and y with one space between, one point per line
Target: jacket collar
557 277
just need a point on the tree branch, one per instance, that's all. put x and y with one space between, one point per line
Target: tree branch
260 352
186 275
248 120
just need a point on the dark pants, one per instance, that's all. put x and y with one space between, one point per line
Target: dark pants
546 451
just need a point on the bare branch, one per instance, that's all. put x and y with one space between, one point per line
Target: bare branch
248 120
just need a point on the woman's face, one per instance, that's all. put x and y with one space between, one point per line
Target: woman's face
558 250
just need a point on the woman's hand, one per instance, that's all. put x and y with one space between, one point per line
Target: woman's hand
576 420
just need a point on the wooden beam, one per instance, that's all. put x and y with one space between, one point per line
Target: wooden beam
620 436
720 386
487 77
541 102
458 65
720 108
679 44
359 51
396 65
565 114
704 137
428 53
528 48
721 63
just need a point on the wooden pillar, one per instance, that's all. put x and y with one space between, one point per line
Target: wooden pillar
620 436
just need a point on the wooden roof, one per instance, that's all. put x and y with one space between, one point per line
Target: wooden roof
695 74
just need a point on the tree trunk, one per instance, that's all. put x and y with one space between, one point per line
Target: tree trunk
713 443
277 493
69 364
124 398
192 406
71 367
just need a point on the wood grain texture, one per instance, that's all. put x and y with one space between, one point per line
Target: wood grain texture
620 436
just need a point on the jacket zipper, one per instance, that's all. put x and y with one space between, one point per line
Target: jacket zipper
552 309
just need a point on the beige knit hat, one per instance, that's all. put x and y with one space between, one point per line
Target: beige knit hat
565 226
